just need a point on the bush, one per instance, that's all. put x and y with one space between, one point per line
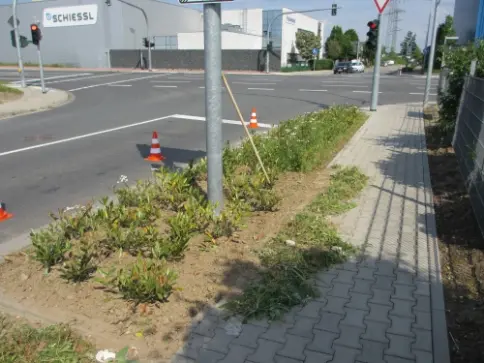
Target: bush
295 68
324 64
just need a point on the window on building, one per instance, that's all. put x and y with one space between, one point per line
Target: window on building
276 27
166 42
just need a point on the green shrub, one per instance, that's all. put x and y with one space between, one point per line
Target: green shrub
49 246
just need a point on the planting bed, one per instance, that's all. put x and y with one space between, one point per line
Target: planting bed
136 272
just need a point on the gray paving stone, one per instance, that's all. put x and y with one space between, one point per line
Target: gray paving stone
423 304
404 292
423 340
345 355
359 301
322 342
340 290
265 351
335 305
401 326
263 323
207 326
350 337
372 352
237 354
312 309
350 265
381 297
402 308
383 283
400 346
193 346
220 342
404 278
304 327
277 332
354 317
423 357
366 273
315 357
379 313
376 331
324 279
329 322
181 359
345 277
393 359
385 268
294 347
209 356
362 286
249 336
424 320
423 288
281 359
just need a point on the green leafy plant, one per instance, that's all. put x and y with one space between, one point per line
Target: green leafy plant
81 263
75 225
144 281
49 246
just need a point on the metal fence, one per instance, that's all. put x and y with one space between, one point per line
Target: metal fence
468 143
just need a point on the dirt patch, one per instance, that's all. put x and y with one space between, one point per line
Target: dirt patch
8 96
461 252
203 276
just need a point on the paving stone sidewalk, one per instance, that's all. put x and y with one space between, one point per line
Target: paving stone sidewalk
386 305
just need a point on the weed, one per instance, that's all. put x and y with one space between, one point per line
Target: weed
57 343
144 281
74 226
182 227
285 279
49 246
81 263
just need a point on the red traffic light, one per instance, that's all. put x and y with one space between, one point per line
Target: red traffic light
372 25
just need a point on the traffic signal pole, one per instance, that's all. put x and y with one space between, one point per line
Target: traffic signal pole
17 44
376 70
41 68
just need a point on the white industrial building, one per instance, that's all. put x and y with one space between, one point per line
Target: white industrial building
120 25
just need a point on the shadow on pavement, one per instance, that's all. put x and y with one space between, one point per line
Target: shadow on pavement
174 158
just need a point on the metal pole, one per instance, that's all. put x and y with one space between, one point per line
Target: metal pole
431 55
213 102
427 41
41 68
17 44
376 70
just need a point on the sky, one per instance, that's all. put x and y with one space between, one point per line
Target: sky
354 13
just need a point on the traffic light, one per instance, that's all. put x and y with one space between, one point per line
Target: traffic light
334 9
147 43
372 34
36 34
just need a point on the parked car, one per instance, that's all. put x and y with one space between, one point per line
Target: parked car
357 67
342 67
385 64
391 62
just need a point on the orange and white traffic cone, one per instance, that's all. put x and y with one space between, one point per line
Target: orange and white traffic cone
3 213
253 120
155 152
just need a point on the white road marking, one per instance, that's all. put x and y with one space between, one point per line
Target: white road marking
422 94
261 89
254 83
364 92
203 87
230 122
343 85
57 77
83 78
170 81
313 90
163 86
80 137
424 87
116 82
119 85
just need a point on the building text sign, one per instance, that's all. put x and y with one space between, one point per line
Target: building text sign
70 16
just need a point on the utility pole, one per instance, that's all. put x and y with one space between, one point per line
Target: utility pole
427 41
430 68
17 44
213 102
376 70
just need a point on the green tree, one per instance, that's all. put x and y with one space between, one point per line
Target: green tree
333 49
305 43
446 29
417 54
408 45
350 42
337 36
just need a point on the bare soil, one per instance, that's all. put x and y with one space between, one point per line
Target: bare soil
207 274
461 253
8 96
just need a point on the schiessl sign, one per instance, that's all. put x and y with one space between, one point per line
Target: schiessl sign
70 16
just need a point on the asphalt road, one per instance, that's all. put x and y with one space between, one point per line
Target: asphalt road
67 156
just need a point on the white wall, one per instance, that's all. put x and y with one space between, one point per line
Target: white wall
290 24
230 40
465 19
250 20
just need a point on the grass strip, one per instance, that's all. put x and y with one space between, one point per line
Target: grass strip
4 88
286 269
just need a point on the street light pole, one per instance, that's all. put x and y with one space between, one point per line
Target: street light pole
430 68
17 44
269 28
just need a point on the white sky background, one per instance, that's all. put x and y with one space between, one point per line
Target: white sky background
355 13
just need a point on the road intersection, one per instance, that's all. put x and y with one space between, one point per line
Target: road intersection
69 155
